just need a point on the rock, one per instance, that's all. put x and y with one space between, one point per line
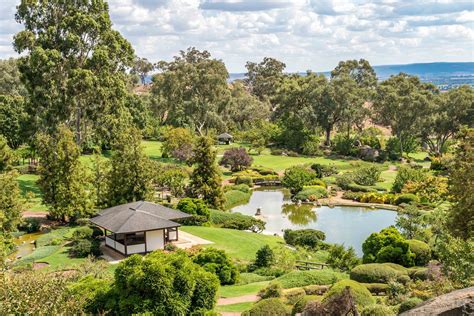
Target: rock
368 153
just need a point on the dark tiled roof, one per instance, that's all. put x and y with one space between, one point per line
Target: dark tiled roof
225 135
138 216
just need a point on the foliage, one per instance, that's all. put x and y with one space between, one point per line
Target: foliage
238 187
246 109
312 193
191 90
234 198
421 250
377 273
264 78
64 181
218 262
142 67
311 238
311 147
178 143
392 148
79 86
130 177
387 246
406 198
377 310
248 278
11 207
264 257
237 158
273 289
6 155
83 232
269 306
412 223
299 306
292 296
461 215
85 247
181 285
409 303
30 225
296 177
367 175
342 259
406 174
10 83
205 179
324 170
13 120
194 207
236 221
361 295
310 277
172 178
430 189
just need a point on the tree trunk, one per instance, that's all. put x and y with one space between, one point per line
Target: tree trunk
328 135
401 144
78 127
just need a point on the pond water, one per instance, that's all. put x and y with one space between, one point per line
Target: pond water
25 245
346 225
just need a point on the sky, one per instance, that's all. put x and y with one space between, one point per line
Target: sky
304 34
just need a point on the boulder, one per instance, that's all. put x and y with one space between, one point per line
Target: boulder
368 153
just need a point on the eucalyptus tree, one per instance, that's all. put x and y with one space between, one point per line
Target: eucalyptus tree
193 90
142 67
359 70
13 120
263 79
10 83
402 103
73 63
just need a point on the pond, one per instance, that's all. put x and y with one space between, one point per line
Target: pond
346 225
24 245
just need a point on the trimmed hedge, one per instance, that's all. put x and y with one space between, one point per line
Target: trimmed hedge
376 288
236 221
377 310
406 198
299 306
294 295
421 250
310 277
311 193
409 304
304 237
269 306
234 198
361 295
378 273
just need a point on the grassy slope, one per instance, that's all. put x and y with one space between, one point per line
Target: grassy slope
234 308
238 244
27 183
240 290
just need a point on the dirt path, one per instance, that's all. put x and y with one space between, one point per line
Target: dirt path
34 214
238 299
338 200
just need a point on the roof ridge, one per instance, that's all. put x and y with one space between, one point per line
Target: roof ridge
124 222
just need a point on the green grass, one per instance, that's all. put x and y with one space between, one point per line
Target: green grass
60 259
247 278
240 245
240 290
234 308
27 183
235 197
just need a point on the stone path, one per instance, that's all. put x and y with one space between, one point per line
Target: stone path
238 299
187 240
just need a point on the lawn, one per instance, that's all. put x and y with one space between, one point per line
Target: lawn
234 308
240 245
240 290
27 183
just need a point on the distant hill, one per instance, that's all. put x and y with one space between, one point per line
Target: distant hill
445 75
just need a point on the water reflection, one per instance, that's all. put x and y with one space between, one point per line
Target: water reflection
299 214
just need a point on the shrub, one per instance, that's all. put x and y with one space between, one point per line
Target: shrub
324 170
264 257
406 198
30 225
344 180
304 237
271 290
376 273
417 273
360 293
406 174
236 158
299 306
355 196
276 151
236 221
376 288
310 277
270 306
296 177
315 289
84 247
84 232
294 295
244 180
431 189
409 304
342 259
82 221
387 246
239 187
316 183
218 262
377 310
311 194
421 250
343 145
367 175
178 143
311 146
264 171
235 197
195 207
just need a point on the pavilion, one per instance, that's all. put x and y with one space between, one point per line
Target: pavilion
225 138
139 227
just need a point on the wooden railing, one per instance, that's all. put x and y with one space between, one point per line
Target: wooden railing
308 265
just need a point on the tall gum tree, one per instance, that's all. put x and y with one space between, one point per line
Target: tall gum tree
73 63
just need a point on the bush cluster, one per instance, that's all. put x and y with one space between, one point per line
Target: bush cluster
367 175
324 170
195 207
421 250
311 238
273 289
270 306
218 262
360 293
236 221
311 193
378 273
310 277
85 243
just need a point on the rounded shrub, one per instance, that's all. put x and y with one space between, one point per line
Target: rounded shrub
377 310
84 232
311 193
417 273
273 289
409 304
82 248
270 306
376 273
218 262
421 250
406 198
299 306
294 295
317 182
376 288
30 225
310 277
360 293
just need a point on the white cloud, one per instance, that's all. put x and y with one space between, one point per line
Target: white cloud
305 34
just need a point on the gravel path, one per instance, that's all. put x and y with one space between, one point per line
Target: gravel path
238 299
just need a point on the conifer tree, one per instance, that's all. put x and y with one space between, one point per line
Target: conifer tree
206 179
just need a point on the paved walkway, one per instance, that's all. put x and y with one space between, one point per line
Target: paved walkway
238 299
187 240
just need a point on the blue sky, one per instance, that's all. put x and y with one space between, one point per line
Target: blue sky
305 34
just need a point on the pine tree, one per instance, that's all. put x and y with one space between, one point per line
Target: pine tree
206 179
64 181
130 178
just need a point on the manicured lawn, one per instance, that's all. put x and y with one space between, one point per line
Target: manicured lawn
239 290
238 244
27 183
234 308
60 259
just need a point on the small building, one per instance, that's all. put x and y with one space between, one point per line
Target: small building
225 138
139 227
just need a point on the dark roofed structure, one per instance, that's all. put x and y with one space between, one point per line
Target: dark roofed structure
139 227
225 138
